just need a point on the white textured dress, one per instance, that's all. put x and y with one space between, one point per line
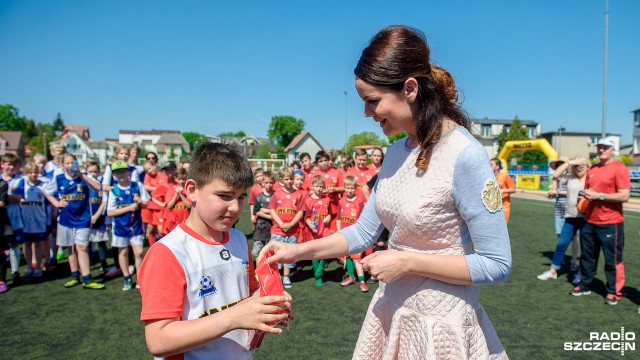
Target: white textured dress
416 317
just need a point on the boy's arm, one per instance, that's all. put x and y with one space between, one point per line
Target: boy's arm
98 213
55 202
174 199
92 182
112 207
276 218
327 219
295 220
264 213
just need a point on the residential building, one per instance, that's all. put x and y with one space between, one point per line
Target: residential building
574 143
167 144
76 145
487 130
102 150
11 143
304 142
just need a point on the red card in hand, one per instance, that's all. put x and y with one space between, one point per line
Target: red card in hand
270 284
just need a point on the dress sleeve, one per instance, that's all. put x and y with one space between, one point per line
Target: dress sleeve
477 198
366 230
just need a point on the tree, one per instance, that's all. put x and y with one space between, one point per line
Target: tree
193 138
233 134
10 119
58 124
363 138
283 129
396 137
518 132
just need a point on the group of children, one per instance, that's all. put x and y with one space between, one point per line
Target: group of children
308 204
56 208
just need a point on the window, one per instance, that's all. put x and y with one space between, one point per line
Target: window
486 130
532 132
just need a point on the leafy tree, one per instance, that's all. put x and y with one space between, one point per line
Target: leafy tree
58 124
10 119
233 134
283 129
396 137
193 138
263 152
518 132
363 138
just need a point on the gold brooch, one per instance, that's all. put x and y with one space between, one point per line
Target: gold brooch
491 196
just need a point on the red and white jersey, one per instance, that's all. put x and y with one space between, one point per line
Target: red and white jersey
187 276
350 210
316 211
332 178
362 177
286 205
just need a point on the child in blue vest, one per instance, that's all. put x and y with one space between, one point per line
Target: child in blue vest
9 165
125 201
34 216
74 223
98 208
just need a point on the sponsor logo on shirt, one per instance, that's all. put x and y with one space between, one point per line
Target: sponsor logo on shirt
225 255
206 287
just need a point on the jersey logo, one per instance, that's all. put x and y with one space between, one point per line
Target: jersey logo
79 188
206 287
491 196
225 255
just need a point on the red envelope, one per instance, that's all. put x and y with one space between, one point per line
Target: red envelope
270 284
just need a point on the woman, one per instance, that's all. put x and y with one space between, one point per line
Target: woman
439 199
573 220
377 157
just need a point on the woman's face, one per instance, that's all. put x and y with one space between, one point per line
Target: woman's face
376 157
390 109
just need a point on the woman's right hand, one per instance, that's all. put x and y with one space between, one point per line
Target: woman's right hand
280 252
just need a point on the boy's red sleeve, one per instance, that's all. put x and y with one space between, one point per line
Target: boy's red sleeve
162 284
274 201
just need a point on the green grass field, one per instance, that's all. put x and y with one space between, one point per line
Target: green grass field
533 318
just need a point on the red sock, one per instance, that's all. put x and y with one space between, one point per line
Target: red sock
152 238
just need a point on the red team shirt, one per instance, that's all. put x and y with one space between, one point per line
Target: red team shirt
316 210
362 177
287 205
255 190
606 179
349 213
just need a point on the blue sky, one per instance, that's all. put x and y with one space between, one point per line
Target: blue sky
212 66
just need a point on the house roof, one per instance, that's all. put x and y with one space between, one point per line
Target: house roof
488 121
98 145
298 140
173 139
13 138
81 130
149 132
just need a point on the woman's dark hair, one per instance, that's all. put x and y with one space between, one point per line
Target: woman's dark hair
397 53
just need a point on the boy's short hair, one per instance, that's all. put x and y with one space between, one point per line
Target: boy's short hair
304 155
350 162
213 161
9 158
285 172
322 155
150 163
181 172
40 157
58 146
296 164
268 175
91 162
29 167
360 152
258 170
318 179
67 155
350 181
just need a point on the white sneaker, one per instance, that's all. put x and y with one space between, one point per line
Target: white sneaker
548 275
286 282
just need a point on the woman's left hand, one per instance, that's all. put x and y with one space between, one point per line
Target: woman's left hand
385 265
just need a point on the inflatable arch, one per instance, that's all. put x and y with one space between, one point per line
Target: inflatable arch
537 144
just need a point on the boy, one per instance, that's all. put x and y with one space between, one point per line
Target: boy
9 163
97 206
256 189
287 208
351 206
5 228
155 184
197 281
333 182
34 215
361 172
178 205
75 219
125 200
262 233
317 218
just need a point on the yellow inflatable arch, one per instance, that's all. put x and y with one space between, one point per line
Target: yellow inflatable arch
537 144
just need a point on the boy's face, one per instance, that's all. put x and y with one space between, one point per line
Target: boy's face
287 182
8 168
318 188
349 190
218 205
33 176
306 163
361 161
267 184
122 155
259 177
297 181
67 164
122 176
150 169
40 164
133 154
323 164
180 180
93 171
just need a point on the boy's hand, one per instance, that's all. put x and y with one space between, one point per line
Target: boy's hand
281 252
133 207
136 199
63 203
255 312
94 218
286 227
